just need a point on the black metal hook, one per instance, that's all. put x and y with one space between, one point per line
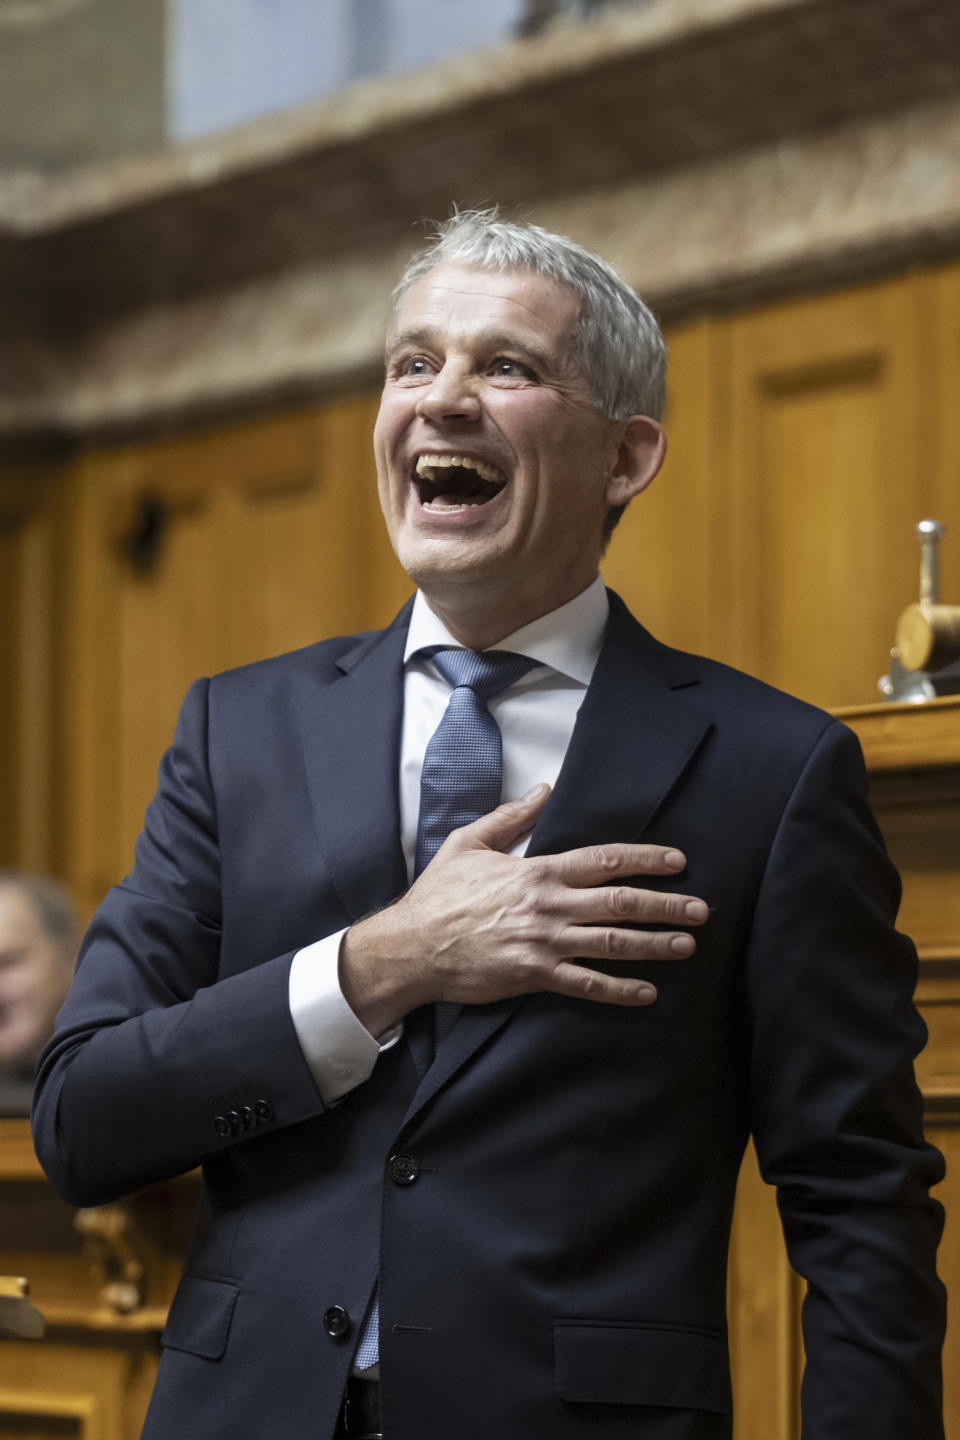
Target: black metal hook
144 537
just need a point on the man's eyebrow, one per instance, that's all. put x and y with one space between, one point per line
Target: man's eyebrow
504 340
401 339
492 340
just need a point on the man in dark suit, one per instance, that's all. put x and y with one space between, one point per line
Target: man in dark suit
676 929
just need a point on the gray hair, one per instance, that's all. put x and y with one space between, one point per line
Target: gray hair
51 904
622 350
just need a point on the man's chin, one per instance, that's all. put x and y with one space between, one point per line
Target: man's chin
444 559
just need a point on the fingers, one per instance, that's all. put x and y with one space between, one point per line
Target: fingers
627 904
595 864
502 828
581 984
603 942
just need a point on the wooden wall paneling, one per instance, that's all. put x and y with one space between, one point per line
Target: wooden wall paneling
763 1306
385 584
940 448
88 825
96 1365
40 1415
10 532
661 559
64 1391
920 819
35 685
945 1134
268 537
824 487
309 556
288 541
28 634
919 813
141 632
171 614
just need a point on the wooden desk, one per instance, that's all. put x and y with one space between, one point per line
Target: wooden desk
913 756
90 1376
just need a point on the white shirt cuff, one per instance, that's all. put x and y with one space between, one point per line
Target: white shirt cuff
339 1050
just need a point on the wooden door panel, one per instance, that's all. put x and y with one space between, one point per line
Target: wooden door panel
825 488
261 546
28 655
142 627
661 558
385 585
170 625
939 446
295 536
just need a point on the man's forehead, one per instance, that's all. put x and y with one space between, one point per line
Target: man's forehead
503 303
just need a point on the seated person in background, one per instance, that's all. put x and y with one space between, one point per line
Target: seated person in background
38 949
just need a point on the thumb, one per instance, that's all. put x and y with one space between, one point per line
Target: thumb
503 827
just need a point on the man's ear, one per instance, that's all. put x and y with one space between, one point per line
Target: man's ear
642 448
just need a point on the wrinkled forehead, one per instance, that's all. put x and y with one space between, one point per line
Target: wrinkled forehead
452 297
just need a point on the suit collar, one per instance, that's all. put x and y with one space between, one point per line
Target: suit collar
567 639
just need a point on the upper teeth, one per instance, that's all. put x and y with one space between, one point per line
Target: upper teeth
428 465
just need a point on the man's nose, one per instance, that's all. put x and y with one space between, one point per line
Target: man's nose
451 395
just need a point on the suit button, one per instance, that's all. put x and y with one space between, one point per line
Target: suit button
263 1111
403 1169
221 1124
336 1322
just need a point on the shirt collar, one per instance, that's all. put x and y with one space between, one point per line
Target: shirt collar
567 639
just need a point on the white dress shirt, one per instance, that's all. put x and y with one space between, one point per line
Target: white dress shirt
536 718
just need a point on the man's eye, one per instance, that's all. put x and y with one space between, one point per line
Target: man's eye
511 369
415 365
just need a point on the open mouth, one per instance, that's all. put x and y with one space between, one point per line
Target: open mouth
449 482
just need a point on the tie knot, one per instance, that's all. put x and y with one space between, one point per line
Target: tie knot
485 672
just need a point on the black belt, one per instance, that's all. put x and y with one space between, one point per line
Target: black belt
360 1412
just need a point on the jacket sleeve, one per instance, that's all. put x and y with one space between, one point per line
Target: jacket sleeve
157 1063
836 1113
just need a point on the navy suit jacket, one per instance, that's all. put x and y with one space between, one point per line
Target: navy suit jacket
552 1254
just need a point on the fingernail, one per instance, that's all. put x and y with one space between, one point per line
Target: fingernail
695 910
646 994
674 859
682 945
535 793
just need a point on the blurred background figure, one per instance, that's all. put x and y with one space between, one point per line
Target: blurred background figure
38 949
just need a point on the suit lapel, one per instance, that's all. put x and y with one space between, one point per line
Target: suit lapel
636 732
351 741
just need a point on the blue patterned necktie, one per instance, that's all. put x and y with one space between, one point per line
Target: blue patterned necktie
463 763
460 781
